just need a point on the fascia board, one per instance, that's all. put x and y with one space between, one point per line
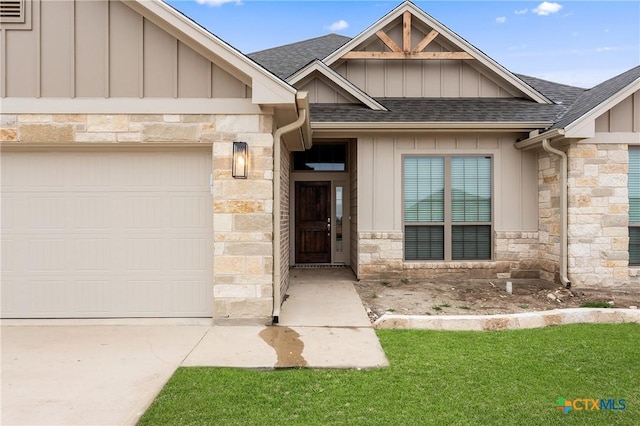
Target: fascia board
421 125
585 126
447 33
266 87
339 80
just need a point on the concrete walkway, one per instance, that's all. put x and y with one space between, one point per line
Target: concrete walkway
107 372
322 325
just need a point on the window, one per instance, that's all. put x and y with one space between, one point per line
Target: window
447 208
634 206
326 157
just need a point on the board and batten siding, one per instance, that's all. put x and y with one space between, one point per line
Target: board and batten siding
103 48
422 78
515 175
624 117
322 92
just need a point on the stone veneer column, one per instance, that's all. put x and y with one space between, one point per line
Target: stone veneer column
549 215
598 214
243 221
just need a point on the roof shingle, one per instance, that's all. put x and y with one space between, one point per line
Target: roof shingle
286 60
591 98
487 110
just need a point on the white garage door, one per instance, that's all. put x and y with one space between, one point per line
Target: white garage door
106 234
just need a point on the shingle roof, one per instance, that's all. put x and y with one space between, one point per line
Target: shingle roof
559 93
285 60
591 98
440 110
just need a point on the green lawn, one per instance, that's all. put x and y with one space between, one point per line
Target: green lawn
443 378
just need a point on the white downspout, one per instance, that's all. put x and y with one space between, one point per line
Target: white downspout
277 140
564 258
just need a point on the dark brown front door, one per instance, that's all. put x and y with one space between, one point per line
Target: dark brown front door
313 212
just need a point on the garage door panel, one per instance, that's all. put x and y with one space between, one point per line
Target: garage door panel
92 254
189 254
47 299
187 296
94 297
92 212
109 234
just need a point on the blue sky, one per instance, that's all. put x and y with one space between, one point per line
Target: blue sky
581 43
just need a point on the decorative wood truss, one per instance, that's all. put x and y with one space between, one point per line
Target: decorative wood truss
406 52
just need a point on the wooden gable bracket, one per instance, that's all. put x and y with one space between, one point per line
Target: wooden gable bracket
406 52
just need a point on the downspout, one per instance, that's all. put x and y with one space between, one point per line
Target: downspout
277 140
564 258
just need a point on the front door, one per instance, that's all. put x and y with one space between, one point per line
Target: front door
313 222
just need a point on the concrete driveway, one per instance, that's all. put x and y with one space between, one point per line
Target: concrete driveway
69 374
107 372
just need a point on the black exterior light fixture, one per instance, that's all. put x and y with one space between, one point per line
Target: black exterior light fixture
239 167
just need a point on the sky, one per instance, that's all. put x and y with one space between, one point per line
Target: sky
580 43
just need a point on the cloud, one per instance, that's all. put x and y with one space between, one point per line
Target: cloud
338 25
521 11
547 8
501 19
217 3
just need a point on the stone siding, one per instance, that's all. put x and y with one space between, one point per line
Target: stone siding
516 254
549 216
381 257
243 208
598 215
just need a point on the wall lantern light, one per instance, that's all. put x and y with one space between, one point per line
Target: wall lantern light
239 167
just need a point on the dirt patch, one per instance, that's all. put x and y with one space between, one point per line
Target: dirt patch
482 297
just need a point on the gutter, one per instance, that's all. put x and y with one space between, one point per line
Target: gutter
534 141
303 106
544 141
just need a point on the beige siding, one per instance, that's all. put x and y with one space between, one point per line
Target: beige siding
428 78
353 204
622 118
91 22
421 78
104 49
322 92
380 179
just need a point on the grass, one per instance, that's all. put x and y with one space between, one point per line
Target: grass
597 304
441 378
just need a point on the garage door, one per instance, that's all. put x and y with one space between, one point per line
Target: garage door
106 234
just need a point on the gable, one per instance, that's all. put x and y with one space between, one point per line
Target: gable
623 117
323 91
105 49
409 54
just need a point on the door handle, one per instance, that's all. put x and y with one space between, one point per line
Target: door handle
329 226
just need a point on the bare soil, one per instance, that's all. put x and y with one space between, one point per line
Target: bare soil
481 297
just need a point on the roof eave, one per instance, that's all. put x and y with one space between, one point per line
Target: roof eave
337 79
535 141
511 126
584 126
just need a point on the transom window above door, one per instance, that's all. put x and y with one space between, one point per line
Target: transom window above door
322 157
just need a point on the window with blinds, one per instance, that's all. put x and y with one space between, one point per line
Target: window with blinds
634 205
447 208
